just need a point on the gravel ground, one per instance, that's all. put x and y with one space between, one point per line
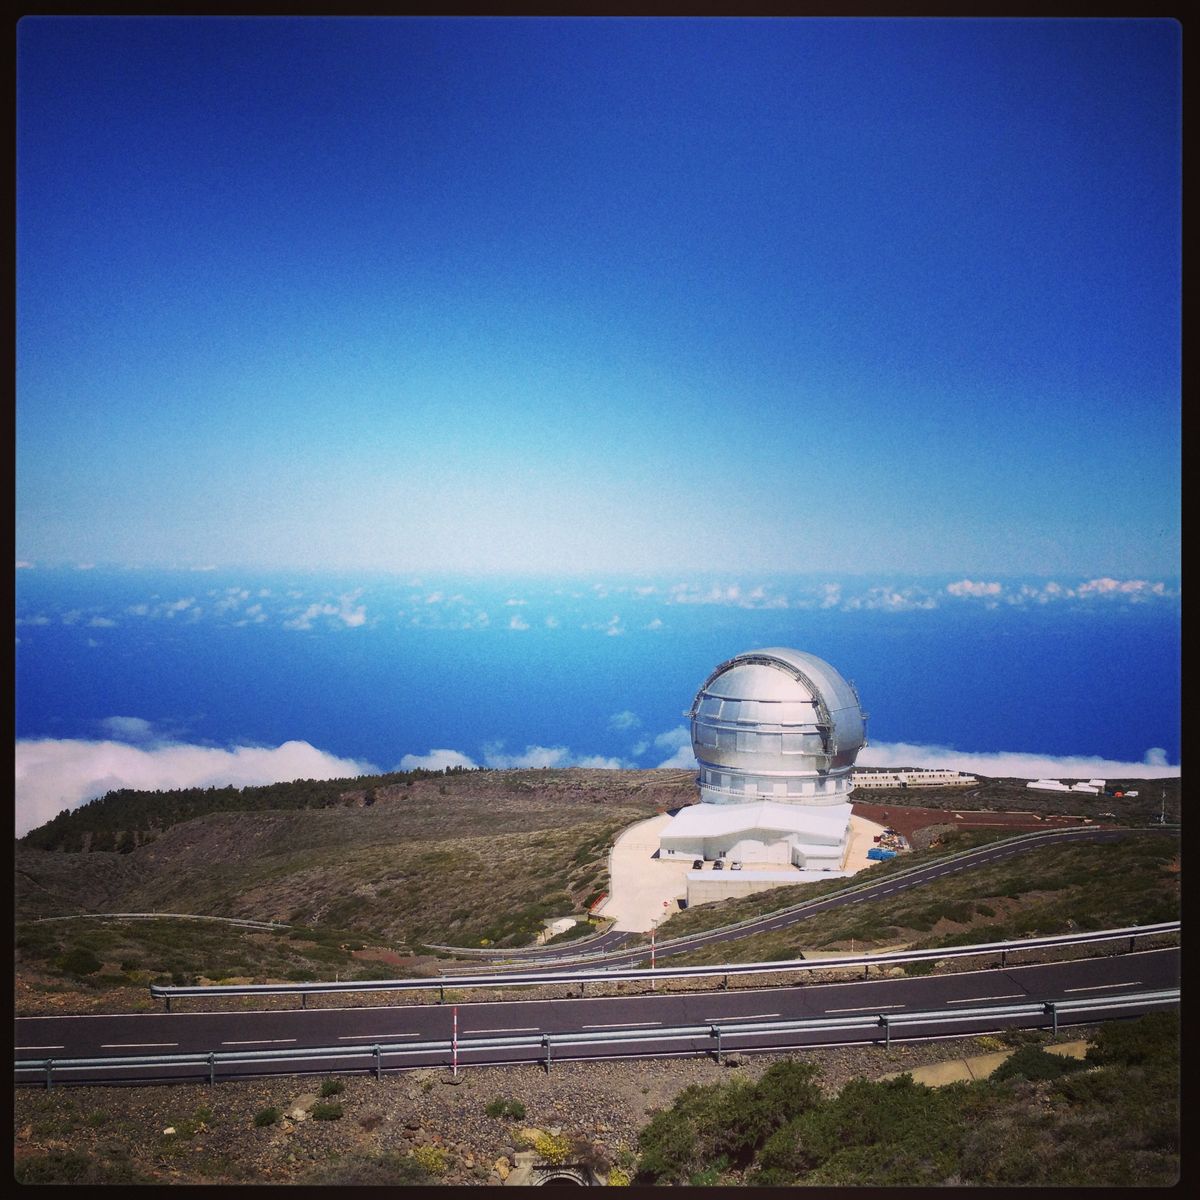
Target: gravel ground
121 1130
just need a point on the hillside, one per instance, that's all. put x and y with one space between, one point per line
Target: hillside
459 858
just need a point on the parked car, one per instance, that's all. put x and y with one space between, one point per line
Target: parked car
735 866
698 865
719 865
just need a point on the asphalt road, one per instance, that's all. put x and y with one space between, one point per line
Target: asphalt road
136 1035
607 947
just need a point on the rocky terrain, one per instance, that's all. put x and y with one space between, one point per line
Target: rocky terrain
387 1127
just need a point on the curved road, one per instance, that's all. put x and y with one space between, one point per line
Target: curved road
607 948
144 1034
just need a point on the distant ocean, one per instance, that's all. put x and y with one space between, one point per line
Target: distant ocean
374 669
151 678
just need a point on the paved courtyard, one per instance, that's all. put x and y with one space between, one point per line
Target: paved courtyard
644 888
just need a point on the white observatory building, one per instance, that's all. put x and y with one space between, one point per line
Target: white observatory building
775 733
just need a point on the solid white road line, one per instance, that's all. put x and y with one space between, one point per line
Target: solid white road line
39 1047
867 1008
1100 987
261 1042
622 1025
752 1017
135 1045
978 999
521 1029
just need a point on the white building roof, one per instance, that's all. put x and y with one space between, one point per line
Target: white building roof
715 820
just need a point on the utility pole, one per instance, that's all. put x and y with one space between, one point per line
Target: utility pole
653 930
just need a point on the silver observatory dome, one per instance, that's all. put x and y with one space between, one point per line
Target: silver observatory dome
778 724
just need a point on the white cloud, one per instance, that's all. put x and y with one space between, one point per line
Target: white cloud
552 622
344 611
128 729
1130 588
1016 764
495 757
610 628
888 599
597 762
53 774
436 760
101 623
515 622
38 620
683 758
624 720
512 603
533 756
967 587
731 595
655 624
22 565
673 739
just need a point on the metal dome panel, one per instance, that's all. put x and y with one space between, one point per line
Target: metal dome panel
776 722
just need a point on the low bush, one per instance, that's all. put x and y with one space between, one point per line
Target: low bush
332 1087
1153 1038
500 1107
1032 1062
327 1112
79 961
433 1160
267 1116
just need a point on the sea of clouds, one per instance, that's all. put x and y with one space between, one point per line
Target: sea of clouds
55 774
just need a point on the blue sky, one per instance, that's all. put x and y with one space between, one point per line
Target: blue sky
624 295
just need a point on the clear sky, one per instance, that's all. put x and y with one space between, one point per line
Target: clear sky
541 295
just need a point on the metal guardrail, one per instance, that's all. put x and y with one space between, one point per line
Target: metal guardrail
626 974
714 1032
245 922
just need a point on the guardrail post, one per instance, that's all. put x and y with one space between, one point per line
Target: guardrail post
1052 1009
49 1072
212 1070
441 993
1003 958
716 1032
886 1022
303 999
378 1063
582 988
1132 937
725 984
866 968
546 1043
167 1000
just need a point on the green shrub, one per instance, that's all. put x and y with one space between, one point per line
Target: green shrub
723 1123
501 1107
267 1116
332 1087
923 967
1153 1038
79 961
1032 1062
327 1112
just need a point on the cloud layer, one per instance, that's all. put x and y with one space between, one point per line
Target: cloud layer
1014 763
53 774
